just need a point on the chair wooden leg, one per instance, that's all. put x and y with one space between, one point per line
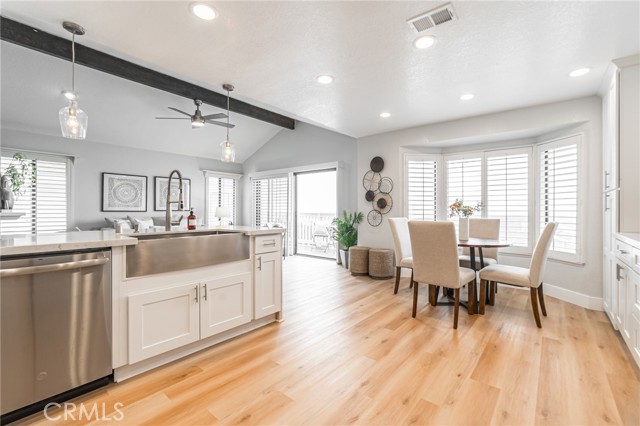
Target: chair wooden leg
415 299
541 297
493 289
483 287
456 308
411 282
432 294
398 271
471 300
534 306
437 293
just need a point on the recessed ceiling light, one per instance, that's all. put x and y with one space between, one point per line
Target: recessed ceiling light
424 42
467 96
325 79
579 72
203 11
385 115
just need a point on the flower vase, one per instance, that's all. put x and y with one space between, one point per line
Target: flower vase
463 229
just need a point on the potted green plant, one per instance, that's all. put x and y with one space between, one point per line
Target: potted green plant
347 233
16 175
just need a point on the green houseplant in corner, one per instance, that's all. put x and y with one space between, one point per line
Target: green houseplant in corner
19 173
347 233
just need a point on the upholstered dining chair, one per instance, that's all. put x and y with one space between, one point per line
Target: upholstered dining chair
435 262
482 228
524 277
402 245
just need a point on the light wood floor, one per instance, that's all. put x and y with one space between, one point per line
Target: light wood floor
349 352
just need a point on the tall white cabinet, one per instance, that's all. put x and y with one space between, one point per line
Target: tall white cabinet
621 200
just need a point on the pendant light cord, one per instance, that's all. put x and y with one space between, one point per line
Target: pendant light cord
227 116
73 63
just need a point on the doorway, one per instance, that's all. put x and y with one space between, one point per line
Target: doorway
316 205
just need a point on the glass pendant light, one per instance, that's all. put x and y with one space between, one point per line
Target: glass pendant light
73 121
228 151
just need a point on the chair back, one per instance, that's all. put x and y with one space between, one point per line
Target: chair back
435 253
401 238
540 253
484 228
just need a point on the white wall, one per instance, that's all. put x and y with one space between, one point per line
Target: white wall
307 145
578 283
94 158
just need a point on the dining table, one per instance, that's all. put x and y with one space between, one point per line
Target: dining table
472 244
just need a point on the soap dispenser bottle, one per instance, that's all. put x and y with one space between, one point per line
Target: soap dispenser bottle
191 220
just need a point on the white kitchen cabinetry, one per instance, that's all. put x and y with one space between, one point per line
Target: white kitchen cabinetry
267 275
621 199
163 320
225 303
169 318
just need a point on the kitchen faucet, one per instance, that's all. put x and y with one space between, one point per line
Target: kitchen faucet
180 201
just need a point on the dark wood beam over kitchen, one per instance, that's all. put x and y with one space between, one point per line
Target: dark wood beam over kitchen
33 38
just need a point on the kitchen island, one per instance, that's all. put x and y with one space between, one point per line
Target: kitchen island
164 309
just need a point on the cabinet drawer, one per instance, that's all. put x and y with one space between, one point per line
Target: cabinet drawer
268 243
625 252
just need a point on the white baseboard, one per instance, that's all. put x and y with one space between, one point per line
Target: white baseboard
589 302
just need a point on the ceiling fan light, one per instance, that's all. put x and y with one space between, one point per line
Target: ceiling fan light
197 123
228 152
73 121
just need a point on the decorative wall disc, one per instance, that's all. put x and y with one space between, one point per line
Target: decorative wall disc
371 180
386 185
369 195
374 218
377 164
382 202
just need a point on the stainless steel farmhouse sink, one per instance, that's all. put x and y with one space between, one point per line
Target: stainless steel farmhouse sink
159 253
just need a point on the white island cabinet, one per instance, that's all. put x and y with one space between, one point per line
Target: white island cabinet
166 315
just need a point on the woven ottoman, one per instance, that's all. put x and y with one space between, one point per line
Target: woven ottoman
381 264
359 260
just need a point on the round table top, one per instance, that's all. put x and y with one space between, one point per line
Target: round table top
483 242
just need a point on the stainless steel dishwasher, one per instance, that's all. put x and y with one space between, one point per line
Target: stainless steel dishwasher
56 328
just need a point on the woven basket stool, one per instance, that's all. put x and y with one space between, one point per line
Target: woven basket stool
359 260
381 264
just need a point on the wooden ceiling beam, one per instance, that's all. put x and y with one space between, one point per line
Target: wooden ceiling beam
36 39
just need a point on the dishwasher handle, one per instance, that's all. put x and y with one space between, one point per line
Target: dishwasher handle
56 267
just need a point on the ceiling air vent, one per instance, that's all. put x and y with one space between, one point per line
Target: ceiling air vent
432 18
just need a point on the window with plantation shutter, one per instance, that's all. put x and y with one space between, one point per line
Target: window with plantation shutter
421 175
271 196
508 194
558 167
45 202
221 192
464 181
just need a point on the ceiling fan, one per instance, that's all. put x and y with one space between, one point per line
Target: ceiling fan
197 119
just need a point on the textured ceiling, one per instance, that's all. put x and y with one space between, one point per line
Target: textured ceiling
509 54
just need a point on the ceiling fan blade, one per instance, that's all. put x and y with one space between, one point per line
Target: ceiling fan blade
171 118
217 123
181 112
214 116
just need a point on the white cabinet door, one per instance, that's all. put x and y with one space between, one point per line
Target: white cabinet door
268 284
225 303
622 300
633 314
162 320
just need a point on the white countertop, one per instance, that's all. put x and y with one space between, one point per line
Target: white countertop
65 241
247 230
631 238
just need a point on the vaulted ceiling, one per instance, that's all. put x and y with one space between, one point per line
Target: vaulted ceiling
508 54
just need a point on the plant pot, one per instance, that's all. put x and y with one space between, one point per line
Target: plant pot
344 258
338 260
6 197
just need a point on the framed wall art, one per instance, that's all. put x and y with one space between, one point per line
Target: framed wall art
160 193
124 193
